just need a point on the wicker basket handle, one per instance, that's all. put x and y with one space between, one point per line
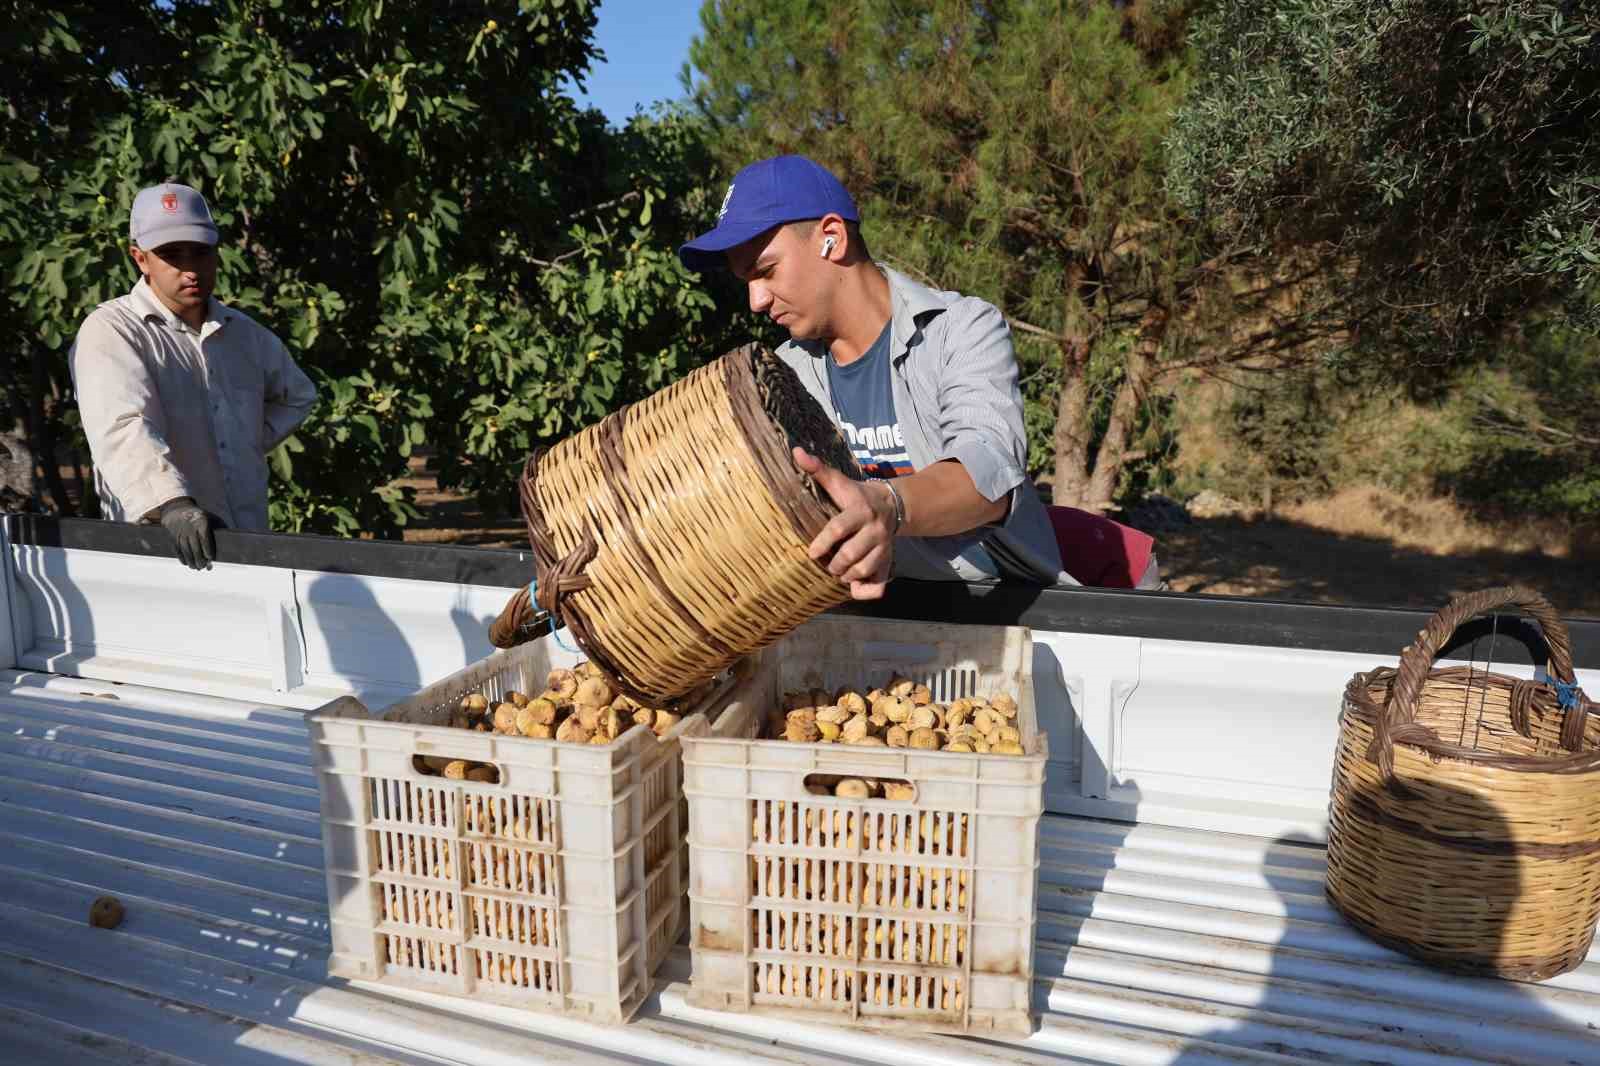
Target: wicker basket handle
565 577
555 578
552 580
514 624
1397 724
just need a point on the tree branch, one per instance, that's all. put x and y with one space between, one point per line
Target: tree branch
1038 331
1012 321
1515 422
632 194
557 261
549 264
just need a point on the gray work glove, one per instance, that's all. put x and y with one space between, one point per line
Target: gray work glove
190 529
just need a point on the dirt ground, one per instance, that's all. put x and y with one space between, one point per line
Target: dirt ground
450 518
1361 548
1282 559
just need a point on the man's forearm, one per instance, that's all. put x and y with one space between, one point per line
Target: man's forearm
941 501
134 459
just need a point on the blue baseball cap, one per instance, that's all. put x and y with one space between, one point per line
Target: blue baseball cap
785 188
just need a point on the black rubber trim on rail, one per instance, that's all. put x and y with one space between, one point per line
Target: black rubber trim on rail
1152 615
1218 620
289 551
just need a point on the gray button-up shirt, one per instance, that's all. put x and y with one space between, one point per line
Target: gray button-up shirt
954 379
170 411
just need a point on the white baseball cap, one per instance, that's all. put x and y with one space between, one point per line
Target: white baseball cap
168 213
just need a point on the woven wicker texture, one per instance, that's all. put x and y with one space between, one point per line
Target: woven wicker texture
671 538
1464 821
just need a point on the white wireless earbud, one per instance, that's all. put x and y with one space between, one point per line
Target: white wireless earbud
827 247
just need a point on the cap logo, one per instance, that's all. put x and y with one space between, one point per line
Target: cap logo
169 202
727 198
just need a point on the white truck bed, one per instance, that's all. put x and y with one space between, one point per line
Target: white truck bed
1156 945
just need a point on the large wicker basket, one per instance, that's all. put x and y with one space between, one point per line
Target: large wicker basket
671 538
1464 824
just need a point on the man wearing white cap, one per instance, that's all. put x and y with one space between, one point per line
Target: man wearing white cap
182 397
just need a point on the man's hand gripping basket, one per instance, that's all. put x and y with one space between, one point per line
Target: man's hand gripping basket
671 537
1464 825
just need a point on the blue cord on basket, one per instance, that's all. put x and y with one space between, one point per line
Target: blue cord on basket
533 596
1566 695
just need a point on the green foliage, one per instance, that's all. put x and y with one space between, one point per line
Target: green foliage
1284 427
1510 436
459 256
1526 440
1441 159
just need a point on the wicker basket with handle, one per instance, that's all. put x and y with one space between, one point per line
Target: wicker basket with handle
671 538
1464 821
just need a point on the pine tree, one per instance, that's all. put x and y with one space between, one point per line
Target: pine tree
1011 151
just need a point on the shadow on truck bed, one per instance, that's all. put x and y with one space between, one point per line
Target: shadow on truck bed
1246 962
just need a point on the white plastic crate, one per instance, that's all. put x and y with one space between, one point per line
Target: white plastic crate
559 888
876 913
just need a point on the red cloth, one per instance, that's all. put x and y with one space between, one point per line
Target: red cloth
1097 551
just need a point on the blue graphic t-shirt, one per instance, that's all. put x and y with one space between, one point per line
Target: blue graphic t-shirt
863 399
864 403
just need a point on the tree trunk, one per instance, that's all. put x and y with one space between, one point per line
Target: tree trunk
16 472
1069 485
1113 455
1077 483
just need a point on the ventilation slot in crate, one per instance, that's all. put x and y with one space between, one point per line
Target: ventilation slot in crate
661 902
915 942
928 834
423 956
517 972
408 803
796 932
800 985
414 855
950 685
426 908
512 869
526 819
903 992
510 922
936 889
661 838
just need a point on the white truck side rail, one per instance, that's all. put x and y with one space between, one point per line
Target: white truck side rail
1223 734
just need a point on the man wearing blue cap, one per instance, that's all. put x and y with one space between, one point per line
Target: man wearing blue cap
922 383
182 397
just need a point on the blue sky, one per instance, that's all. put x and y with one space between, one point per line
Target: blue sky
645 43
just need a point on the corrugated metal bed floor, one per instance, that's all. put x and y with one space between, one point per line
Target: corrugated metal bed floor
1155 945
